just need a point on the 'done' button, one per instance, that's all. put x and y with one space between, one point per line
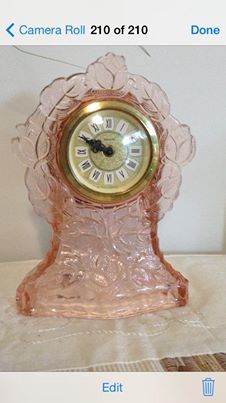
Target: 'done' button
115 387
204 31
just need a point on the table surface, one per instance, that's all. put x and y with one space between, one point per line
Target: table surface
160 341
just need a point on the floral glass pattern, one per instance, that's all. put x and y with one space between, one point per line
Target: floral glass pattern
103 262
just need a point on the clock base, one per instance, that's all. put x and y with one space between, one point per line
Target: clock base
36 298
105 265
133 306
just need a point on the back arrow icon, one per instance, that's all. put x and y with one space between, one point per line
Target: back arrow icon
9 29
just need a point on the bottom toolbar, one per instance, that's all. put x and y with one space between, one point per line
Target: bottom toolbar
134 387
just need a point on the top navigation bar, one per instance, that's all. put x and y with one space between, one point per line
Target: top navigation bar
113 23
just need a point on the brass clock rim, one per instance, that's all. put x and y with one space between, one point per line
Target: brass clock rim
90 194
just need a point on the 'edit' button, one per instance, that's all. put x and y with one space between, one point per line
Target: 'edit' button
115 387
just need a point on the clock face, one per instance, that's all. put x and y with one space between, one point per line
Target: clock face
109 151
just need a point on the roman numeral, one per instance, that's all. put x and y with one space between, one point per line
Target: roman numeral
109 178
122 174
108 123
95 175
85 165
135 150
131 164
81 151
122 126
94 128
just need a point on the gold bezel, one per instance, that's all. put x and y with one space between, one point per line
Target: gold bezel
87 193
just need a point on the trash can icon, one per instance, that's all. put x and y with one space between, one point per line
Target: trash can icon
208 387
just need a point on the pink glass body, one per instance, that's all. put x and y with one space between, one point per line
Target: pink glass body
103 262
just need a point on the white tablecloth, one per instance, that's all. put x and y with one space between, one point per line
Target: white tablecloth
36 344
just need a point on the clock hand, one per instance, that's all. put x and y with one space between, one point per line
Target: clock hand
108 151
88 141
96 146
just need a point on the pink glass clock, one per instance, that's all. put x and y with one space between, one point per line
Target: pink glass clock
104 158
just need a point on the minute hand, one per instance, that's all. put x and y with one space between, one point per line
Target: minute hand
96 146
88 141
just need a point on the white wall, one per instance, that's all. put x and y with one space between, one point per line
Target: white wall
194 79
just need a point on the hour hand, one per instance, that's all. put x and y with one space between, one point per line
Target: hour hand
95 144
86 139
